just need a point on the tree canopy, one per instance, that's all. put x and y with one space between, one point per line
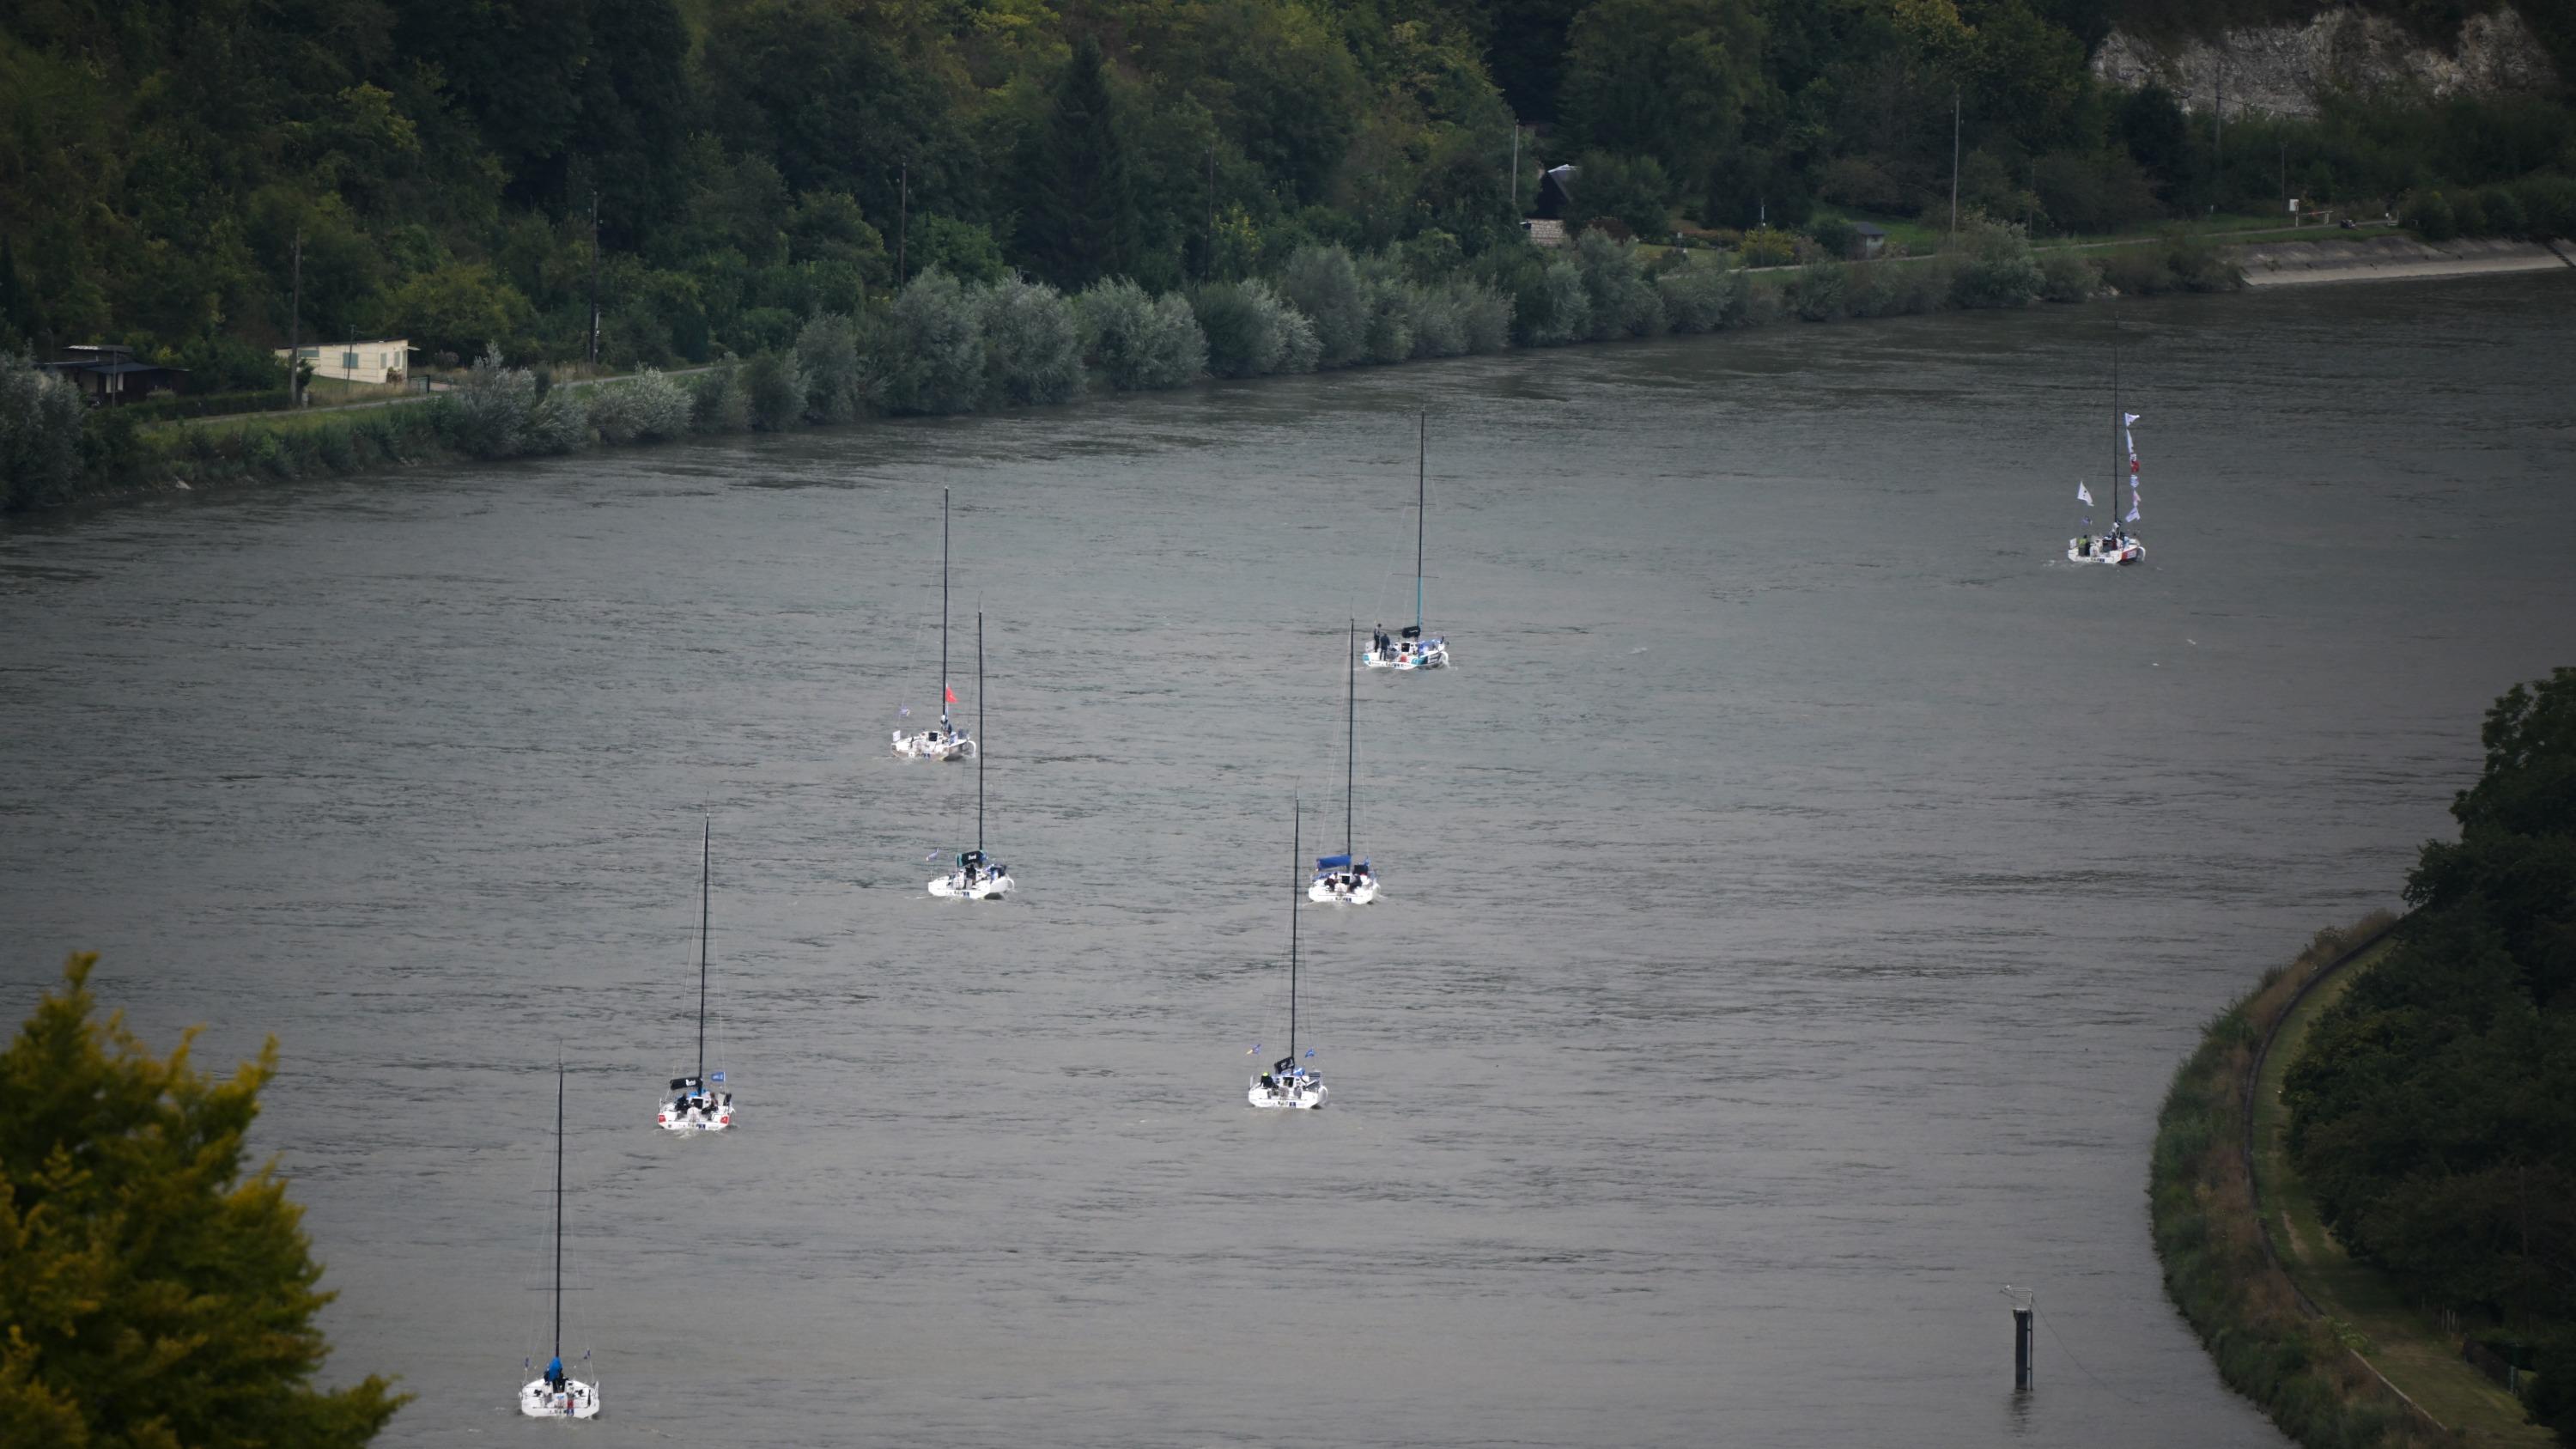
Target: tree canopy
435 162
2434 1108
153 1294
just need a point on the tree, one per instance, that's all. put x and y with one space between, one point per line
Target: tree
1074 178
153 1294
1663 78
1632 189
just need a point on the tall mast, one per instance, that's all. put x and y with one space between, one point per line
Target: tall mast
1421 501
1351 747
1296 863
2116 460
559 1104
979 732
943 606
706 873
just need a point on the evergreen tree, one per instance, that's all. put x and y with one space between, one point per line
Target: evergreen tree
150 1294
1075 179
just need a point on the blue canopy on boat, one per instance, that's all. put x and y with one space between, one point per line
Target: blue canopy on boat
1331 862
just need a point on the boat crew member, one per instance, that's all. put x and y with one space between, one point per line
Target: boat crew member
555 1373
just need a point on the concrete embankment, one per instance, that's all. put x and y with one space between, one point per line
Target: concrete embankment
2393 258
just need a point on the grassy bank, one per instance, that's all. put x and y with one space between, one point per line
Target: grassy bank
2217 1266
2410 1349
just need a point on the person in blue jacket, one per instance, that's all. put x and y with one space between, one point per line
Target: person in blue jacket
555 1373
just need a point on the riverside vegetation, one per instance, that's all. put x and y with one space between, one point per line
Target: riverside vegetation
941 345
199 180
2432 1115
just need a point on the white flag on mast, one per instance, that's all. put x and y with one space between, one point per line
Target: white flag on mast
2083 495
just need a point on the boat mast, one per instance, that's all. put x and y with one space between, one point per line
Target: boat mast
1421 502
559 1104
706 870
943 606
1351 747
979 732
2116 469
1296 863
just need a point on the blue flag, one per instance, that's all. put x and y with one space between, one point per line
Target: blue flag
1310 1051
715 1076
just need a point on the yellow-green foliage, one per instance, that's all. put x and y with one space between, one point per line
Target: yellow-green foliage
153 1294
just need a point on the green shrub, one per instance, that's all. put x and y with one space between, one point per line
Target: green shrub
827 354
1817 293
2548 205
647 405
2501 213
1251 332
938 347
1323 283
40 434
1141 343
1897 289
2065 276
2430 216
492 407
1032 343
2141 271
718 403
1696 298
1995 267
208 404
774 391
1766 246
1619 300
1833 236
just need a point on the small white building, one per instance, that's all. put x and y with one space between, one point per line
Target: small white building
367 362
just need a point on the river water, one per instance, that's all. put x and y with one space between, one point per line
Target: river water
1797 898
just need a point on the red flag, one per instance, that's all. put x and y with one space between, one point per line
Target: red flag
952 694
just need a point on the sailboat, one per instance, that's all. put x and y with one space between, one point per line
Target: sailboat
1290 1083
943 743
2118 546
692 1106
977 877
1411 651
554 1394
1344 878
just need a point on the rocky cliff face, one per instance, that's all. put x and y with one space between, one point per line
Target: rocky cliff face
2283 69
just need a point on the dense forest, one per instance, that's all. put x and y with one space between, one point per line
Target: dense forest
439 171
2434 1107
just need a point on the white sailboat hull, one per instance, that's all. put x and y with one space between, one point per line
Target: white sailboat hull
1289 1097
577 1400
2128 551
951 887
931 745
693 1119
1433 655
1323 892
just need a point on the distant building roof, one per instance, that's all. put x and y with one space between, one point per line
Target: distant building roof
1862 228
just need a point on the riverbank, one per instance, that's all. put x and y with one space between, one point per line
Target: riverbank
1622 293
2393 258
2220 1269
2405 1346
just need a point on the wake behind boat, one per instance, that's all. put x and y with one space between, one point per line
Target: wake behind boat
1411 651
943 743
1290 1084
692 1105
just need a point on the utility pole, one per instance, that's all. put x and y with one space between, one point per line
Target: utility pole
295 328
1209 269
903 219
594 278
1954 161
1516 168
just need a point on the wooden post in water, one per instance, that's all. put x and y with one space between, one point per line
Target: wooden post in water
2025 1311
